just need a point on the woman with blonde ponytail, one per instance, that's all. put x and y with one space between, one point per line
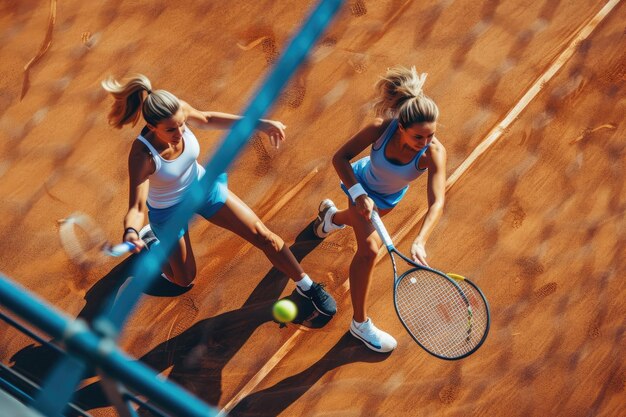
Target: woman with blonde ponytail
162 165
403 146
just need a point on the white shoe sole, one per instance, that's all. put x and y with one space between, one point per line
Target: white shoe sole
319 229
371 346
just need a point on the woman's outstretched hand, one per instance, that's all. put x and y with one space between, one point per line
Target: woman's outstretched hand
418 253
275 131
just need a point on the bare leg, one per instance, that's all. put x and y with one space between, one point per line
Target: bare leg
237 217
181 266
362 265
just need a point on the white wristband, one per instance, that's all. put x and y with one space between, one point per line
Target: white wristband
355 191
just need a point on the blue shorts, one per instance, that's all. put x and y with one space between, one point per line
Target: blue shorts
215 200
382 201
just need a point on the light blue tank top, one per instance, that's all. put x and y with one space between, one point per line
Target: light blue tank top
380 175
172 178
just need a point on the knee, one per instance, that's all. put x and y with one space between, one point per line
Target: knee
368 251
265 239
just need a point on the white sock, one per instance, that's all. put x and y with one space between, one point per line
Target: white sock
359 324
305 283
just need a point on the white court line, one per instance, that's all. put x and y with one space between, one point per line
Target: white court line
491 138
259 376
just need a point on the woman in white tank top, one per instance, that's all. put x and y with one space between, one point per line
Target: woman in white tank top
163 165
403 147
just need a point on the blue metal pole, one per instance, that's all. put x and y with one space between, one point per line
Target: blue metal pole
92 348
30 334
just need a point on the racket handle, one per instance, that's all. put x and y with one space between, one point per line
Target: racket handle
382 231
119 250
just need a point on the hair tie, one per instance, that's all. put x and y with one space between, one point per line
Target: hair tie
149 91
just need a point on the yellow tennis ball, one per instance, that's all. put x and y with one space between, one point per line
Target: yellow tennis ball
284 311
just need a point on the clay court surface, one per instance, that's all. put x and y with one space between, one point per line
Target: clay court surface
537 220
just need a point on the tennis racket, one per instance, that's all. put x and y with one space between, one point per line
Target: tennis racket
447 316
85 242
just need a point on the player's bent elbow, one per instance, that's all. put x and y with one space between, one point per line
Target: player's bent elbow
339 160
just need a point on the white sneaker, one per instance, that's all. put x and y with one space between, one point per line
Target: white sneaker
323 224
373 337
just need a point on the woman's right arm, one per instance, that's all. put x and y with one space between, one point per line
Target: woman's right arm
140 166
354 146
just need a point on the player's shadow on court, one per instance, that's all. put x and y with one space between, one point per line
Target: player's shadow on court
274 400
197 356
36 361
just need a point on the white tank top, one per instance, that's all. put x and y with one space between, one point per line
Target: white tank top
171 179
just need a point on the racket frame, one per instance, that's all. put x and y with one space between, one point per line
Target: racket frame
391 249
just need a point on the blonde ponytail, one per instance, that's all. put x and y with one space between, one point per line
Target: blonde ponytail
129 99
401 95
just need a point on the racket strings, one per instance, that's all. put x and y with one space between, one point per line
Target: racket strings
81 238
436 313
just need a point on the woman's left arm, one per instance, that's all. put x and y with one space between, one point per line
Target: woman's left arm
216 120
436 190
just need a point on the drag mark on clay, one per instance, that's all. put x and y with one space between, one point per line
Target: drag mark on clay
449 392
545 291
359 63
587 132
45 45
269 47
185 318
252 44
294 93
90 39
264 158
325 48
85 37
331 247
518 214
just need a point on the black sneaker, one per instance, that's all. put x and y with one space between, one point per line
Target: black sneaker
322 300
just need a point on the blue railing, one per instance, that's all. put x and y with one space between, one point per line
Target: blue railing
96 345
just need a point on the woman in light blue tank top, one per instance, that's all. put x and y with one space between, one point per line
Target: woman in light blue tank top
402 146
162 168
